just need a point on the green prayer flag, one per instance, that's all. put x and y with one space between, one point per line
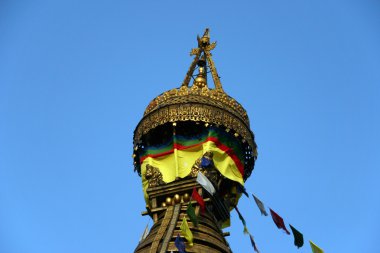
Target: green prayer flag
298 237
191 213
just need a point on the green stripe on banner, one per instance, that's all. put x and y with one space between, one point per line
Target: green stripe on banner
221 138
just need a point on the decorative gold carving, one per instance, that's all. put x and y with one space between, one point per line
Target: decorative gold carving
210 172
200 109
154 176
163 229
170 228
201 95
195 51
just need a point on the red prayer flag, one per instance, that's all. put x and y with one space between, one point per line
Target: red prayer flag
278 221
195 195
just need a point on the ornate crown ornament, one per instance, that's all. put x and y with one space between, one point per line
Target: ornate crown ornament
199 103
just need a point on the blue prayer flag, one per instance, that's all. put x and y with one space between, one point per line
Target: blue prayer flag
180 244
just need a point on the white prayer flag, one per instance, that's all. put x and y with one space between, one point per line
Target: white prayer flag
205 183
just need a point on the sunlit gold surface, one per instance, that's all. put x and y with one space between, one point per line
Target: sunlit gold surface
168 201
186 197
177 198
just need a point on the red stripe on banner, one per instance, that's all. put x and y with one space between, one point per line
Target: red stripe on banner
229 152
220 145
157 155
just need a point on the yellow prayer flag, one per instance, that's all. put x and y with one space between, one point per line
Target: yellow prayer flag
315 248
186 232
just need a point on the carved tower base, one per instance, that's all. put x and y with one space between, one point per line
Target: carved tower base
208 236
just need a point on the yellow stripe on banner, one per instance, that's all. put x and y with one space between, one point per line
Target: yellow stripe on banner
176 163
224 163
165 165
187 158
180 162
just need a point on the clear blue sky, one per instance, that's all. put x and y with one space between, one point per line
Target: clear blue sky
76 76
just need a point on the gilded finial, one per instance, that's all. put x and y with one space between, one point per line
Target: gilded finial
205 40
203 50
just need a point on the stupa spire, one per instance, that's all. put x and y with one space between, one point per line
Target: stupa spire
187 134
